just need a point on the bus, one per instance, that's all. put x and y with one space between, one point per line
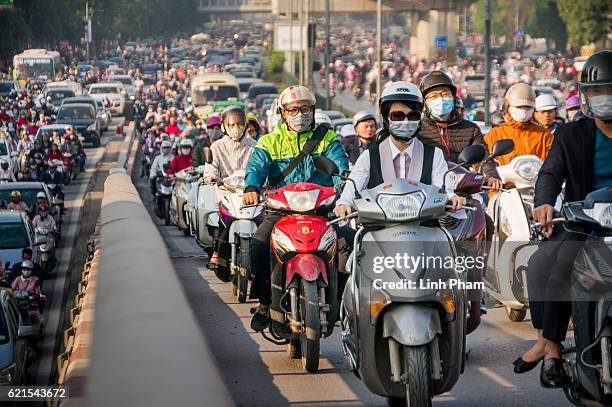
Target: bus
212 87
36 64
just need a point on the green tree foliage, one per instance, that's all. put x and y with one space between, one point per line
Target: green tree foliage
587 20
275 62
544 22
15 33
503 16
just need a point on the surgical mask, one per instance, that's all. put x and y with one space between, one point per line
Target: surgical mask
520 114
43 214
26 273
300 122
165 151
601 106
185 151
440 107
235 133
214 134
404 130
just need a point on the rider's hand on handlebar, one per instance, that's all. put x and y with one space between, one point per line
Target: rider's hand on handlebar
341 211
457 202
250 198
494 183
208 180
543 214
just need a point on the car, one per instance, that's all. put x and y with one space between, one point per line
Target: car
14 335
338 123
74 86
50 128
261 88
112 91
84 118
128 84
244 84
82 70
82 99
7 150
29 190
261 99
16 234
57 95
242 73
116 71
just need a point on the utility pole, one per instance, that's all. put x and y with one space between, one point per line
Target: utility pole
291 57
327 54
301 11
307 60
378 49
87 28
487 61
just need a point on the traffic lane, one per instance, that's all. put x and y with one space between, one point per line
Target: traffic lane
258 372
346 98
54 285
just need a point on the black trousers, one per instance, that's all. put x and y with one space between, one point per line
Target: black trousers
260 257
549 283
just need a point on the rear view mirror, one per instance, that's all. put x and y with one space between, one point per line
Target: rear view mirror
208 155
325 165
472 154
502 147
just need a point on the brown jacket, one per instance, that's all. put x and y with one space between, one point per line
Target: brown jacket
452 139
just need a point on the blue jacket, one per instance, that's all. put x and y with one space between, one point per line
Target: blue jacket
276 150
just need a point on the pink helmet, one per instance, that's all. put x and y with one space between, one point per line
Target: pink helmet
213 121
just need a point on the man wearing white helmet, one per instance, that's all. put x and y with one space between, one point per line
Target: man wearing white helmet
364 123
165 157
276 162
546 112
399 154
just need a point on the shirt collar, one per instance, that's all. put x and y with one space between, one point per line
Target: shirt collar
395 151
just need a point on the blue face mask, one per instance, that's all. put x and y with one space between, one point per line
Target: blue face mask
441 107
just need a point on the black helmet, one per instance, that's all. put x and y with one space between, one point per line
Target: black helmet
597 69
436 78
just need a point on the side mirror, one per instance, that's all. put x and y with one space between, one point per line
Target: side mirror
325 165
502 147
25 332
207 154
472 154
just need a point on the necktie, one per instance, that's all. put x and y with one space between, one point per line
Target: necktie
401 163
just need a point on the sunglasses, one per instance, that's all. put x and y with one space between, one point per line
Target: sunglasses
398 116
294 111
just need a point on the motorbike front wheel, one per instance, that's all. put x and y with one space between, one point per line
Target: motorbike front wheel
417 367
166 212
310 316
516 315
244 268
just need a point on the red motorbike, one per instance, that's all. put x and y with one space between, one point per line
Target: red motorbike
304 270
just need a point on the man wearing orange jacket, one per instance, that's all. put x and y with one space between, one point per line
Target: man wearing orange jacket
529 138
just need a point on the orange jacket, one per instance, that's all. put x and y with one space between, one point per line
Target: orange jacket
529 138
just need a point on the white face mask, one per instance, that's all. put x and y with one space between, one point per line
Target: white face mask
300 122
185 151
601 106
404 130
236 133
520 114
26 273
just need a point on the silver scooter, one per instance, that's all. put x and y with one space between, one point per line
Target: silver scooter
404 329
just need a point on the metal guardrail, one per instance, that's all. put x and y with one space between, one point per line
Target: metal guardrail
147 348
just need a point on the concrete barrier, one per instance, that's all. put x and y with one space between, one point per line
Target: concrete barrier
147 348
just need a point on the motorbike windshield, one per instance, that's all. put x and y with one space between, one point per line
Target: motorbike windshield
13 236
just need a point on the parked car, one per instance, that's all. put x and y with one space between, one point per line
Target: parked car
13 342
83 117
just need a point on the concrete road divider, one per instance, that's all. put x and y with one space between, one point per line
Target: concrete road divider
147 348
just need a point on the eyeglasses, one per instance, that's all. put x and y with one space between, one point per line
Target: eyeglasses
398 116
294 111
441 94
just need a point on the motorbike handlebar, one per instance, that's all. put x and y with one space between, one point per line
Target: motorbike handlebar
486 187
338 220
466 207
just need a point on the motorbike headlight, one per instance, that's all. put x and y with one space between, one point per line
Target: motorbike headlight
401 207
7 374
282 243
601 213
379 299
302 201
528 168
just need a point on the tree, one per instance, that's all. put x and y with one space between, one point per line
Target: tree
503 16
15 33
587 20
544 22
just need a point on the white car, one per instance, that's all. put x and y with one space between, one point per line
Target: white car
128 84
112 91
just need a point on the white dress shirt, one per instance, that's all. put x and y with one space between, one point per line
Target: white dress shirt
361 173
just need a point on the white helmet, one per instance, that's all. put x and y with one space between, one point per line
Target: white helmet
186 143
520 94
545 101
399 91
322 118
347 131
166 144
294 94
41 194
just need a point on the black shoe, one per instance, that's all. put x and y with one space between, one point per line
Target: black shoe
261 318
551 375
520 366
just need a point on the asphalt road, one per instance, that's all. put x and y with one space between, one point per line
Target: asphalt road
258 372
54 286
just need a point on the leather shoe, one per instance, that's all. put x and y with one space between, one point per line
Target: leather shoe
551 375
520 366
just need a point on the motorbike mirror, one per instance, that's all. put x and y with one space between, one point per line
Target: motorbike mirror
208 155
25 332
502 147
325 166
472 154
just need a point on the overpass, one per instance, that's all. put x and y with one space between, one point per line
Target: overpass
427 19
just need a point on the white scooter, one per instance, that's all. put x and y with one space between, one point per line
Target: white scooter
512 246
202 213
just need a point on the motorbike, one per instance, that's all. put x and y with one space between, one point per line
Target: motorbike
30 307
242 222
163 196
511 247
304 276
403 336
46 241
358 91
185 181
147 161
71 168
588 364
